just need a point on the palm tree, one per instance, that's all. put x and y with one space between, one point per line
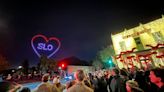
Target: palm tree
43 64
52 64
25 65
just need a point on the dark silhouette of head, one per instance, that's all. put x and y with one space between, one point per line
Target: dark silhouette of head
79 75
25 89
115 71
45 78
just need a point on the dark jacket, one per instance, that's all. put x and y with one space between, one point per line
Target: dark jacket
118 84
102 85
161 89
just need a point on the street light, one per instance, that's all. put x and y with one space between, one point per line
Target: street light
63 65
19 67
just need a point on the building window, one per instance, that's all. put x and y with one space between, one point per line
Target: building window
122 45
139 43
158 37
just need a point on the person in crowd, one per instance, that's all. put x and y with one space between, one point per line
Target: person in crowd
90 78
70 84
57 86
102 83
117 83
79 86
141 80
132 72
132 86
124 75
95 83
157 77
45 86
9 77
25 89
151 87
87 82
109 79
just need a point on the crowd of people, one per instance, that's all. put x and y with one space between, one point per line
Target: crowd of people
111 80
20 78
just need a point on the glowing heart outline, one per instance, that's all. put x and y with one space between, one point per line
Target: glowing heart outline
47 40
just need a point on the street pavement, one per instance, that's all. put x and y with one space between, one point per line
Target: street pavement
33 85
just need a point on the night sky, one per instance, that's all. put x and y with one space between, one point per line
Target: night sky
83 27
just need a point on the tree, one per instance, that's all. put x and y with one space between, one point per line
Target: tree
97 63
52 64
46 64
3 63
43 64
106 53
104 56
25 66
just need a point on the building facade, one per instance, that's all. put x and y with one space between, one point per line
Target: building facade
140 46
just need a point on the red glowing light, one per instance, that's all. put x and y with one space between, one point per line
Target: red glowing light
63 65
